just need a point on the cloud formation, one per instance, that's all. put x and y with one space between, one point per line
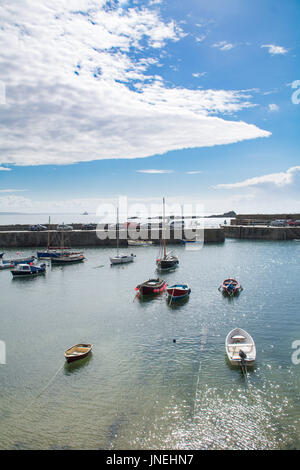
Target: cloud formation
275 50
278 179
81 85
154 172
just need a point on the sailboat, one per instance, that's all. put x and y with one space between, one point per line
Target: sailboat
120 259
166 260
67 257
51 252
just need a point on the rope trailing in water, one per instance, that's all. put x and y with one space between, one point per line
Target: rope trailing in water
43 390
202 346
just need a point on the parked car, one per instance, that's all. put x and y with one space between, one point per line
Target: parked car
37 227
64 227
278 223
294 223
88 227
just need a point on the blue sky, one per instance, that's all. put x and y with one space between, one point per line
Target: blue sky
189 100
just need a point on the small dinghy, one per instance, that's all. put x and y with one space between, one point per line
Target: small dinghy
240 348
121 259
178 291
152 287
230 287
79 351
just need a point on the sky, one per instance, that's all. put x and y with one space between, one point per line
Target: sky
195 101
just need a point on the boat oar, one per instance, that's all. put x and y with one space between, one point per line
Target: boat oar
171 297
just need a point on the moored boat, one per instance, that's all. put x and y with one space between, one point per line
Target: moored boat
152 287
7 264
139 242
230 286
120 258
28 270
78 351
240 348
178 291
68 258
50 253
166 260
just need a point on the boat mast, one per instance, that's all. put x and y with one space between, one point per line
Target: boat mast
62 239
164 229
117 228
48 244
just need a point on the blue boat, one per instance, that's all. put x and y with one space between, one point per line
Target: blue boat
28 270
50 254
178 291
6 264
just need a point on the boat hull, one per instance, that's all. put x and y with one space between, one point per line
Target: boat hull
77 358
30 271
121 259
63 260
178 292
156 288
167 263
237 340
231 287
77 352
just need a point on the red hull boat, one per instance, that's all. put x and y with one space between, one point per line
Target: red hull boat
152 287
231 286
178 291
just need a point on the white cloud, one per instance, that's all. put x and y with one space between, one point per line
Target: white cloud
2 168
76 92
277 179
275 50
223 45
12 190
273 107
194 172
153 172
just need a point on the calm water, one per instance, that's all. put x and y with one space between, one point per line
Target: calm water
139 389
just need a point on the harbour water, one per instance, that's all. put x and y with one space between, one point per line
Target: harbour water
139 389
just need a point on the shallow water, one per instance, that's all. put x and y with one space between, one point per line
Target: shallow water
139 389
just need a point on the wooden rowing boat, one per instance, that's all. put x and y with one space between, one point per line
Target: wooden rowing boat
231 286
178 291
79 351
151 287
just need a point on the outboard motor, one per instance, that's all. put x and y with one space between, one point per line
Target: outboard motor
243 357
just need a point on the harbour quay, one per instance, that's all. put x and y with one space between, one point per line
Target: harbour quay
261 232
21 236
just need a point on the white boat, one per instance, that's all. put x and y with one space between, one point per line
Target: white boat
120 258
166 260
240 347
139 242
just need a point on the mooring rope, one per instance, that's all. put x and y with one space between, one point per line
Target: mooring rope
202 346
42 391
